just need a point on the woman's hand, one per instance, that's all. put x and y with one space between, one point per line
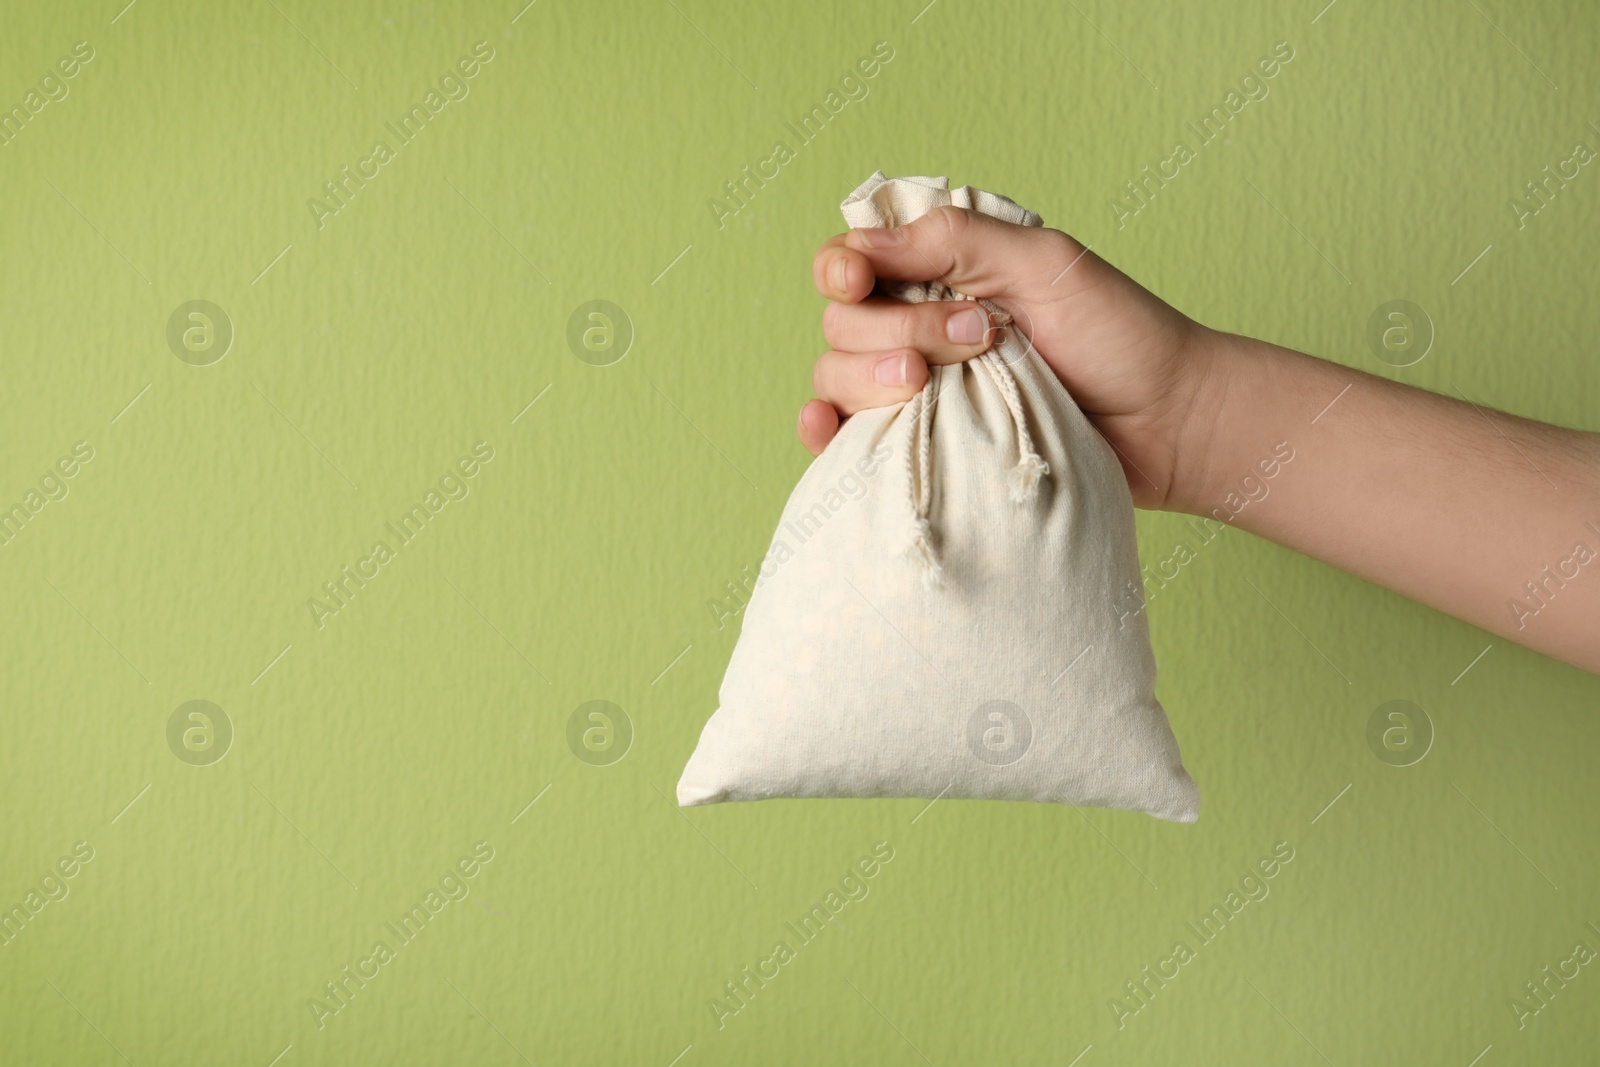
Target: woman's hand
1127 358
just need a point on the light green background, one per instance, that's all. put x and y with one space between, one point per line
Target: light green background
427 714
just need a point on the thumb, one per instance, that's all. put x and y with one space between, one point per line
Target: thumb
973 253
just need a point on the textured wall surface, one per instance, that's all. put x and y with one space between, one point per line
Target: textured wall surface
227 863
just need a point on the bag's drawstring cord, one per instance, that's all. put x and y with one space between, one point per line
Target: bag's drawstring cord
1031 467
919 487
1024 479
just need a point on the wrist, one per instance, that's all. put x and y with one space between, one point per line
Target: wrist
1198 441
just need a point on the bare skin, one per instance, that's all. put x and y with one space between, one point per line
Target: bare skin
1463 508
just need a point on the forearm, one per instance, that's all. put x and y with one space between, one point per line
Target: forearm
1489 517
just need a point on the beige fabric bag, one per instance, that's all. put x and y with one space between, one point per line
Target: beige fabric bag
950 606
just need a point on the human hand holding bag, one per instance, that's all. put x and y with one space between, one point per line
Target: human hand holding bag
943 611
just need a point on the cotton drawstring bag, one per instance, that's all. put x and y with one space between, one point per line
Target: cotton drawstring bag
951 604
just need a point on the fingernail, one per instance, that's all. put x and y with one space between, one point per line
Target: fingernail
878 238
838 272
891 370
966 327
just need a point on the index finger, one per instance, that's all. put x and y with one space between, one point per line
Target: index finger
842 273
975 254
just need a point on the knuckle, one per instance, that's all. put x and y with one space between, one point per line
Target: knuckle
949 226
950 221
819 377
908 325
832 323
1062 248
